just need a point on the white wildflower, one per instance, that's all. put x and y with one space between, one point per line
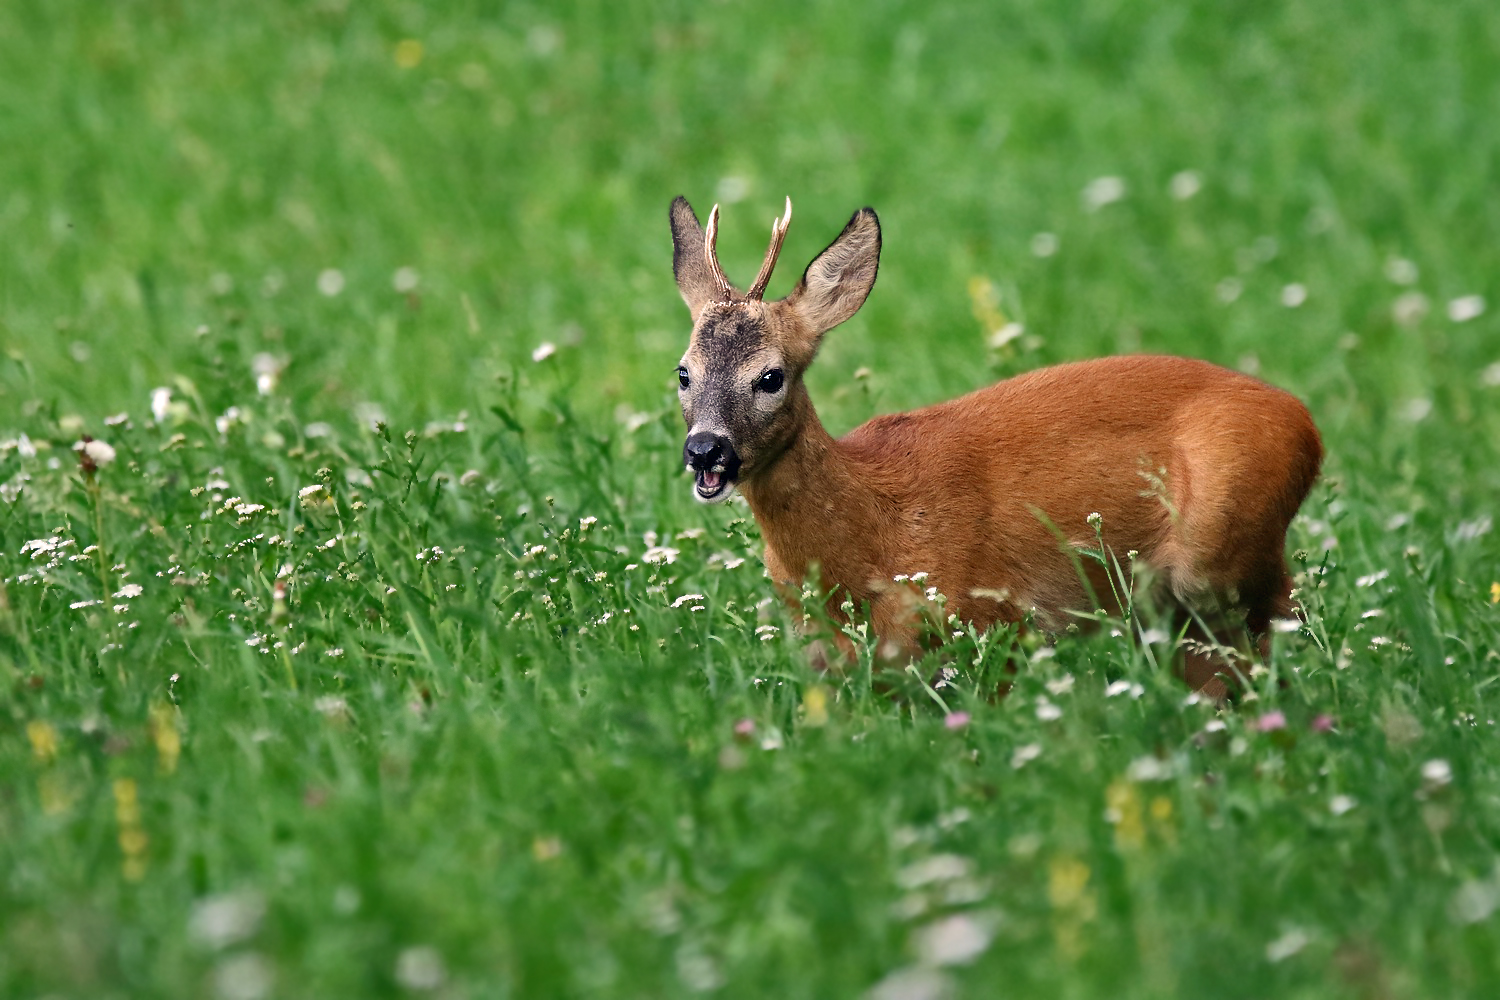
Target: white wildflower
421 968
161 403
1103 191
1185 184
1286 946
698 972
1044 244
330 281
405 280
914 982
1149 768
267 371
1340 804
1416 410
246 975
1024 755
39 545
1006 334
1468 307
936 869
331 705
1474 901
130 590
1294 295
219 921
1400 271
1409 308
1467 531
1436 774
660 554
101 453
954 940
543 351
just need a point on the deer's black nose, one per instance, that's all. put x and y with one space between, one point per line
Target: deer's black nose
705 450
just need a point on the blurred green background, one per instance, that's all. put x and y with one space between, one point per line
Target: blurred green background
171 166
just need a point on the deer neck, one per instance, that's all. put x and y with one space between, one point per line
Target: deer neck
814 498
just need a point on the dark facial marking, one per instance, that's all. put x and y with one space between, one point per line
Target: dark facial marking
731 333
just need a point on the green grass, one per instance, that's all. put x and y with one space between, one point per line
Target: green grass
475 748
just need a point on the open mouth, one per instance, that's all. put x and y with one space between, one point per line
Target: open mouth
712 484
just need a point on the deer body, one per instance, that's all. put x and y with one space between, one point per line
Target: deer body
1196 469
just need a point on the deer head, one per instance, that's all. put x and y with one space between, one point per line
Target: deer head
740 382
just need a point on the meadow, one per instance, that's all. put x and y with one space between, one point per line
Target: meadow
359 636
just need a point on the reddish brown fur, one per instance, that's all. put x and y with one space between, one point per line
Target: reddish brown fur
1197 469
955 490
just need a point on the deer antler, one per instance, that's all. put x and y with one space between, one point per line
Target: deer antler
778 236
711 239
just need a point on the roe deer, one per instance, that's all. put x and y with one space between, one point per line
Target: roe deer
1196 468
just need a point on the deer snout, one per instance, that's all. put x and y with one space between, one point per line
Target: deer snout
706 451
714 464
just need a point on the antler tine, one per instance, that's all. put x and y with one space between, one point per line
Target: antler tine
710 244
778 236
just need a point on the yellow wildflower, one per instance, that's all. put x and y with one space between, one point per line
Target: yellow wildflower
1073 903
815 706
1123 810
166 737
1067 883
43 740
1161 819
133 839
409 52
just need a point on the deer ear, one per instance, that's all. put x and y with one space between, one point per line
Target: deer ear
838 280
694 280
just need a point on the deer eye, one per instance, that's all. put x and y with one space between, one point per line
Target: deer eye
771 381
682 378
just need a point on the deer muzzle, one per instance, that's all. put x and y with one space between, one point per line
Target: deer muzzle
714 464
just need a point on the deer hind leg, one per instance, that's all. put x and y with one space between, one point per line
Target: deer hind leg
1211 660
1266 603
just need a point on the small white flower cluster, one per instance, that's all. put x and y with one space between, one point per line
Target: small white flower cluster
99 452
939 881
